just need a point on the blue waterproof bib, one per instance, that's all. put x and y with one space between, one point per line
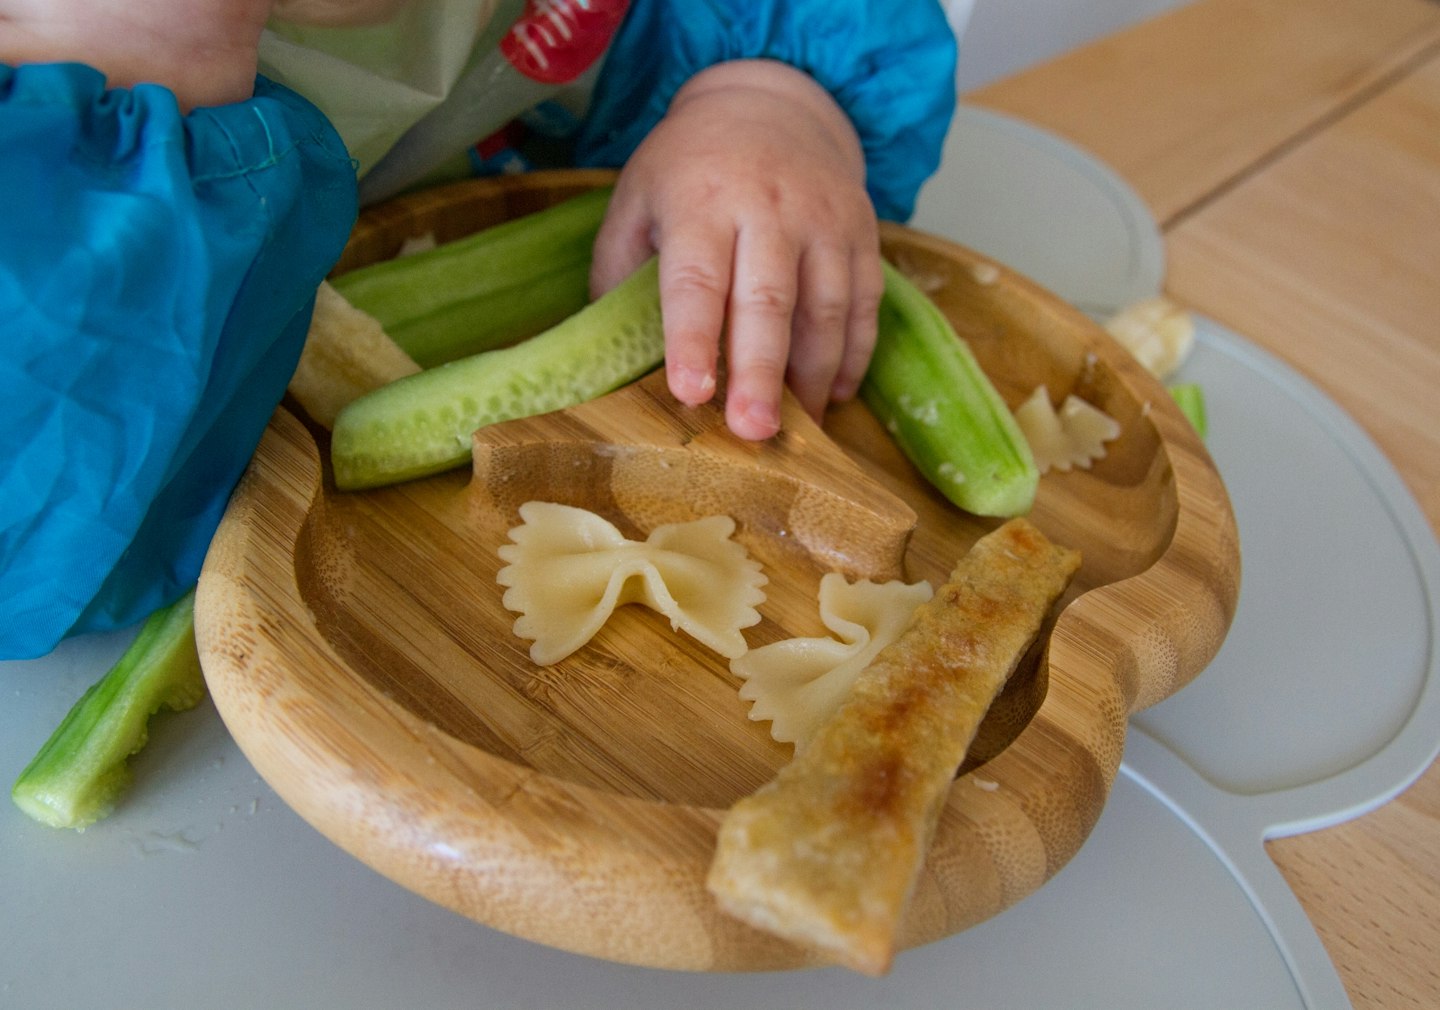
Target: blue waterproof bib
156 276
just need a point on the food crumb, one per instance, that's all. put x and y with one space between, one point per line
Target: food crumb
985 273
417 244
927 281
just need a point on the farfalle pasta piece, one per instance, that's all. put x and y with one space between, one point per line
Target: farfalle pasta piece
567 569
798 683
1075 436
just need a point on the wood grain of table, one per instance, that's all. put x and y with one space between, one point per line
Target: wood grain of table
1188 102
1290 150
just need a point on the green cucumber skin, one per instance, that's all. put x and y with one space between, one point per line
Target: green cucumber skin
926 387
80 771
422 424
485 290
1190 398
497 319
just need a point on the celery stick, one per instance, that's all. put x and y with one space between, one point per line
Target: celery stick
421 424
1191 400
485 290
926 387
80 772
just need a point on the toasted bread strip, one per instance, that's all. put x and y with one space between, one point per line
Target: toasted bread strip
827 854
347 353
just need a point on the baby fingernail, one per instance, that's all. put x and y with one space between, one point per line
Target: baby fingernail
763 415
693 385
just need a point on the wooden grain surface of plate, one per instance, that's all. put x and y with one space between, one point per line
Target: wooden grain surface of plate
357 648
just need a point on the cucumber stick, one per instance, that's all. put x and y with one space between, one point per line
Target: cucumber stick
421 424
1190 398
485 290
80 772
926 387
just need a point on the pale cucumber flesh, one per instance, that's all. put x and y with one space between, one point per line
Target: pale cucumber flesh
422 424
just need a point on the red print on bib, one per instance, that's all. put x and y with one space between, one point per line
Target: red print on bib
554 41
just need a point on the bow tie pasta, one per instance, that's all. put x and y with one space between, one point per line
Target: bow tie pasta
568 569
1073 436
798 683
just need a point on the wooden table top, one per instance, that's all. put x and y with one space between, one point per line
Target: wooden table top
1290 150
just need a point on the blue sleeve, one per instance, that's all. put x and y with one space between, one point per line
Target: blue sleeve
157 272
890 64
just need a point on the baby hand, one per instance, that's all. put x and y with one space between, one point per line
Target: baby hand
752 191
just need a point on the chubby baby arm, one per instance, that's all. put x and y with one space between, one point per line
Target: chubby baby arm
205 51
752 191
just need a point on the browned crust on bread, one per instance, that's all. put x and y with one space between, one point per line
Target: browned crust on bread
827 854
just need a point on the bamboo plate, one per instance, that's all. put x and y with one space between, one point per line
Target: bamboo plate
357 648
